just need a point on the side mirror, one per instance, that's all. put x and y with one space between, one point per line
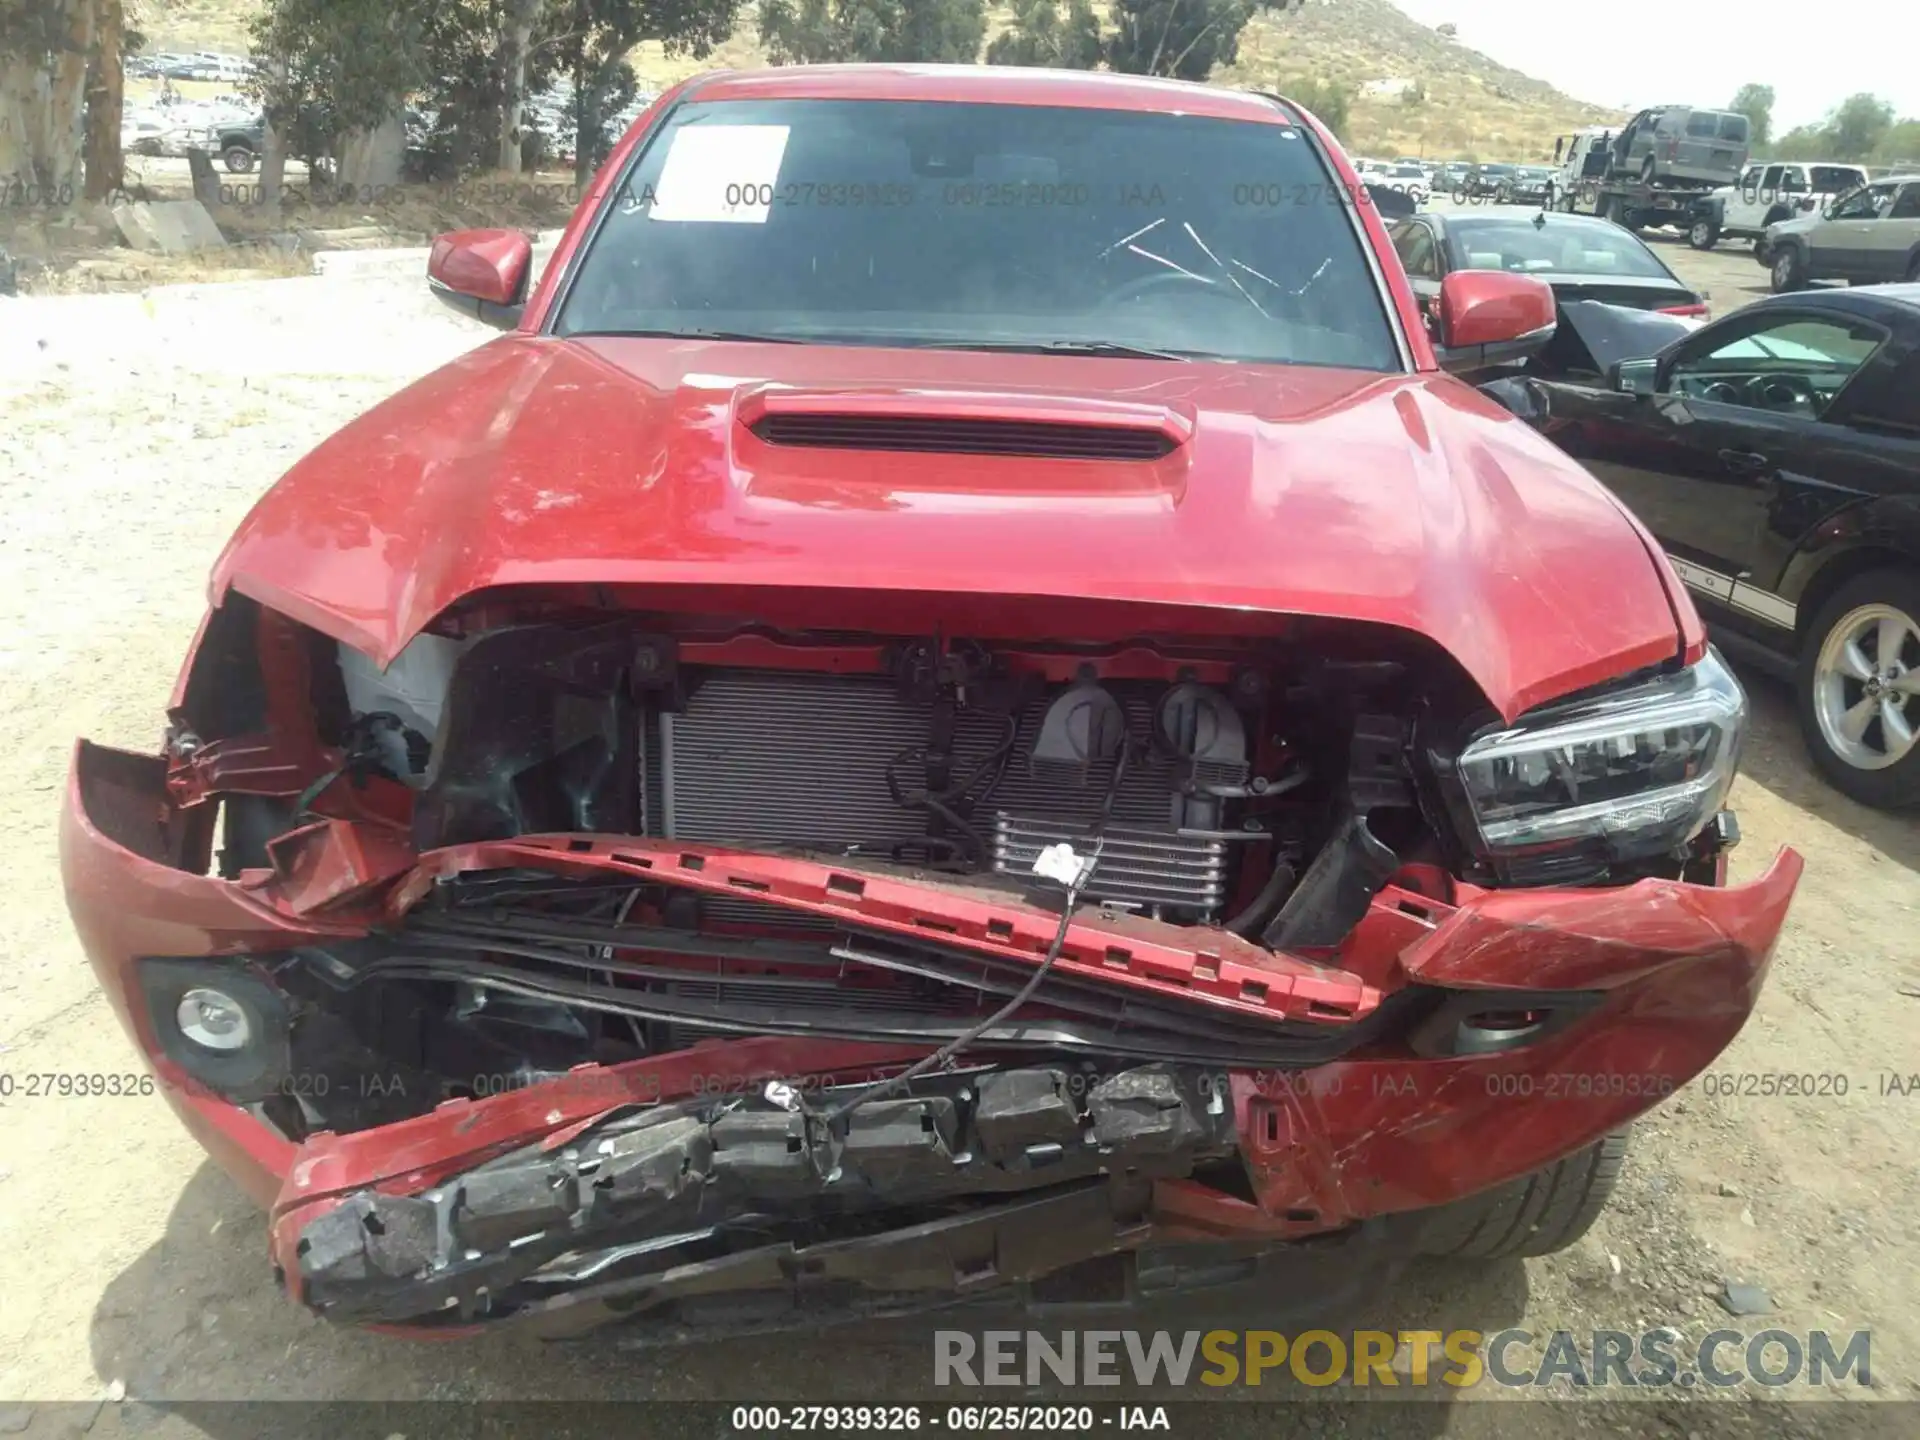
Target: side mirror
1635 377
482 273
1489 317
1520 396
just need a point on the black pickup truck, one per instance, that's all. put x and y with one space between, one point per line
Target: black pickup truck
238 144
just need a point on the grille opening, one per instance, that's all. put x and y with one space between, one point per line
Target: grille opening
1035 439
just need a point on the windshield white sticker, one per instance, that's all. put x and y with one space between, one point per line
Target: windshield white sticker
722 173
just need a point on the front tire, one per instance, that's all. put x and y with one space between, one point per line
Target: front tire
1704 234
1537 1214
1858 688
239 159
1789 270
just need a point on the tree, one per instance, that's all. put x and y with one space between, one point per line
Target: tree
44 50
522 17
338 71
1183 38
1328 100
1803 142
808 32
587 41
106 91
1041 37
1756 103
1858 125
1900 145
1448 31
1859 129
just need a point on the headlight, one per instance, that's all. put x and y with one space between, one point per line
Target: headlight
1630 774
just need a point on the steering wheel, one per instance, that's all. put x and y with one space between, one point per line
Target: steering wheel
1781 392
1163 280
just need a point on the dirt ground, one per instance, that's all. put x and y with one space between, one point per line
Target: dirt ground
138 428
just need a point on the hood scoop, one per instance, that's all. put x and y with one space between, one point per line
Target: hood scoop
965 423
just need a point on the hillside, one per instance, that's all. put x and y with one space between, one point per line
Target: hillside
1474 108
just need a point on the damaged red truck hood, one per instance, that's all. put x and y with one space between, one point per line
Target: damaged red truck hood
1405 500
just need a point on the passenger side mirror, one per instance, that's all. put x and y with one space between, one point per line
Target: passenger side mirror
1635 377
482 273
1489 317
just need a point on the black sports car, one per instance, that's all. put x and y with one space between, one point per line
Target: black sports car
1776 456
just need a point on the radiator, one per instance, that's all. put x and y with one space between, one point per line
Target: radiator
778 758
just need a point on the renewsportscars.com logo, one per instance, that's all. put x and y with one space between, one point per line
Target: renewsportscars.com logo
1461 1359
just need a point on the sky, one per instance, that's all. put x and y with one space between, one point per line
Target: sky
1634 53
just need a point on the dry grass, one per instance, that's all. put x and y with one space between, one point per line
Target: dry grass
1475 108
133 270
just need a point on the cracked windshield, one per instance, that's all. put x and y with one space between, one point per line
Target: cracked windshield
987 227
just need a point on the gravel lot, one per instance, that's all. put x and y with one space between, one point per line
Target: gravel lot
138 428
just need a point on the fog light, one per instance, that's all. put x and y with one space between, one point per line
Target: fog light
220 1019
213 1019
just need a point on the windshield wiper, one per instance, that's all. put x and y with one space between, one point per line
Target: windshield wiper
695 334
1066 347
1028 347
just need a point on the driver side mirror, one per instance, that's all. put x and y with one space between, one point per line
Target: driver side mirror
1635 377
1491 317
482 273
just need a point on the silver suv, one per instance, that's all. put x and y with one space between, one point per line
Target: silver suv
1677 142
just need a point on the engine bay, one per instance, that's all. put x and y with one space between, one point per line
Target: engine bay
822 836
1199 781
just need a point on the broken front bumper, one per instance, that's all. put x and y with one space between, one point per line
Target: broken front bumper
610 1191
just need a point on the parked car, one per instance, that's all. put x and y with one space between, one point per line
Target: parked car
1528 185
1867 237
1451 177
1766 195
1486 180
1682 143
1579 257
823 767
1776 456
1413 181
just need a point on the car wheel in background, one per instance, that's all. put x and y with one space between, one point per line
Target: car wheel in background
1913 271
1534 1215
1789 270
239 159
1704 234
1859 688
